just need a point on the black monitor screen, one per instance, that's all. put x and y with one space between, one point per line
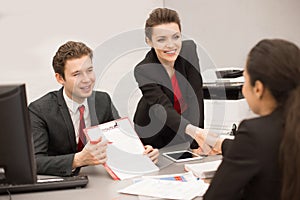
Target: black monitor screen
17 164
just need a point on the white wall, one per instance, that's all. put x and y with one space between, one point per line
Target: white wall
31 32
228 29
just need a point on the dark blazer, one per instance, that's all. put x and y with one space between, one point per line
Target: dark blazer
53 131
250 166
156 121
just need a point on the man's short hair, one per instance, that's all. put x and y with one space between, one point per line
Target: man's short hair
68 51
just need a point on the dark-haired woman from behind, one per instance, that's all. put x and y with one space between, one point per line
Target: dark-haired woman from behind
263 161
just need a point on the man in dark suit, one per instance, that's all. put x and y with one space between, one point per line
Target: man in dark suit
57 119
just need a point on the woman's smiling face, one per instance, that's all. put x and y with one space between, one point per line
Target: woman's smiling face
166 40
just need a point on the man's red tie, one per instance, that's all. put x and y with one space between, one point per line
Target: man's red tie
81 139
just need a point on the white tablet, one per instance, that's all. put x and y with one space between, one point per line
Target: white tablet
181 156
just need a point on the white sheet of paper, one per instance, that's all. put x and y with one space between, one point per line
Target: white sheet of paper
205 169
184 177
166 189
126 142
95 133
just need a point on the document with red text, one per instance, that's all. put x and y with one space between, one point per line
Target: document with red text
166 189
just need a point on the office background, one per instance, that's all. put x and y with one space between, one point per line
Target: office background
31 31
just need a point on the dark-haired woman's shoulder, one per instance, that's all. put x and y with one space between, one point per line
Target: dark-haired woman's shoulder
265 131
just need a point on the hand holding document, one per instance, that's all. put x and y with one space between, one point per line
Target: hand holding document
125 158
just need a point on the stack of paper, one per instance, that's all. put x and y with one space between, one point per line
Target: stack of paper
203 170
167 187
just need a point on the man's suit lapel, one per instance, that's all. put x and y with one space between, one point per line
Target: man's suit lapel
67 118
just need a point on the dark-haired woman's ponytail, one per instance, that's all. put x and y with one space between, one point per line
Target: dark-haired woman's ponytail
290 147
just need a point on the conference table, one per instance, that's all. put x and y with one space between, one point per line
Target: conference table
102 187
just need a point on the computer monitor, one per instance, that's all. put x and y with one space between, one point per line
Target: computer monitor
17 163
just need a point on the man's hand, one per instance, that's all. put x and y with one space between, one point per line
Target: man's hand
152 153
93 153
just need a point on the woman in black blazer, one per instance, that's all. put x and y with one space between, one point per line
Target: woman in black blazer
171 84
263 161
